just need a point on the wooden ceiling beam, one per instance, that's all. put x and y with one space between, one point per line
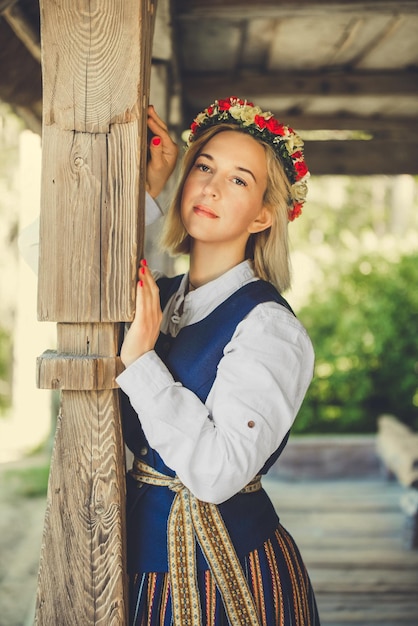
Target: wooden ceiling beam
24 29
202 86
247 9
361 158
391 127
20 79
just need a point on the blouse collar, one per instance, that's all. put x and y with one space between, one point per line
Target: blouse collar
186 308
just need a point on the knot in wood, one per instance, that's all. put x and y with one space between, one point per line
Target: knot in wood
78 161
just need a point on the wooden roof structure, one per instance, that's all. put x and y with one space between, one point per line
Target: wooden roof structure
348 68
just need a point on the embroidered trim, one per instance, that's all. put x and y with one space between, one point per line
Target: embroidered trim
191 519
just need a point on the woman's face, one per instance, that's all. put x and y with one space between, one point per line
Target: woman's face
222 200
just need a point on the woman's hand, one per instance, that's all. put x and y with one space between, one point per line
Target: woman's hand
144 330
163 153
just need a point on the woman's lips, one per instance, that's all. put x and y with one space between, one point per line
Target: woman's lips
204 212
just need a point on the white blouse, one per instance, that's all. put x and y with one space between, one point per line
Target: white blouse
218 446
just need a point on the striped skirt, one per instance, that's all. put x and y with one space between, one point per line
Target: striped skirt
276 576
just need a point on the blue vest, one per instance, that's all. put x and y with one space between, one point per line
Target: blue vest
192 358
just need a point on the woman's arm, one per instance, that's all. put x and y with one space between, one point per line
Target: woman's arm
218 447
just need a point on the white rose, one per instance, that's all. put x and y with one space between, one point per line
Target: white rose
293 143
299 190
247 115
200 118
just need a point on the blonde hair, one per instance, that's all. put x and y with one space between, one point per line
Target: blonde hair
268 249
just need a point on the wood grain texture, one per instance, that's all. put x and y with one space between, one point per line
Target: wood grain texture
73 172
82 566
67 371
96 66
91 225
92 68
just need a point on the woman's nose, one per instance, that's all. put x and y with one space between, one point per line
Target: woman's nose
211 187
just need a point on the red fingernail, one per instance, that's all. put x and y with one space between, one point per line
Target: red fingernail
142 270
144 262
141 283
155 141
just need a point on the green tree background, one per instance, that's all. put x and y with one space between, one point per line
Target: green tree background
361 303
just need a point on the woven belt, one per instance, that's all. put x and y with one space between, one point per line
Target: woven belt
191 519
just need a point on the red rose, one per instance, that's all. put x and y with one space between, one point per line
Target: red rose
224 105
301 169
210 110
275 127
296 211
194 126
260 121
297 155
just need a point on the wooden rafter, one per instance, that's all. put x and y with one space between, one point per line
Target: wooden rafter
233 9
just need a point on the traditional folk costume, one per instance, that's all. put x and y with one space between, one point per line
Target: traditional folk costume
215 400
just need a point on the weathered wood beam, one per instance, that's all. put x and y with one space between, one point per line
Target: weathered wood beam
361 158
6 4
198 86
392 128
247 9
20 81
96 70
24 28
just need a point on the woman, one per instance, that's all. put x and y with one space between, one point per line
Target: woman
217 366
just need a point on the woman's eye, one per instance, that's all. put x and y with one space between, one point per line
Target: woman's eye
239 181
202 167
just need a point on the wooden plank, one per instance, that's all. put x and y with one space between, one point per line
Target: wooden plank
24 29
101 86
361 158
361 609
362 575
73 172
240 9
85 517
96 76
69 371
363 580
351 556
202 87
121 228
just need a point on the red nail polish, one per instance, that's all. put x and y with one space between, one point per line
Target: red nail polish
141 283
156 141
142 270
144 262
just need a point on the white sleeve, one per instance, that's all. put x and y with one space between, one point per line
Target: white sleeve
216 448
28 241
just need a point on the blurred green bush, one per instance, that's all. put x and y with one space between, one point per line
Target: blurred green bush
364 327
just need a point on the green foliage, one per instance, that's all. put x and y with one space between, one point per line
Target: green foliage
364 330
30 482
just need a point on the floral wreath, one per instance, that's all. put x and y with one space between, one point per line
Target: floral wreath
262 125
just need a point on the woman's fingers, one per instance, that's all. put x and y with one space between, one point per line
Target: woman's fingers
144 330
163 153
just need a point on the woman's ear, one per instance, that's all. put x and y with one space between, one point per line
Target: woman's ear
263 221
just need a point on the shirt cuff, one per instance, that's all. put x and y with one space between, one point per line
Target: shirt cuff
145 377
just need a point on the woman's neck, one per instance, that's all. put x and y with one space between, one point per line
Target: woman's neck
208 262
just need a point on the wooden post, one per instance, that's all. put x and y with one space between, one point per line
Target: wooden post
96 60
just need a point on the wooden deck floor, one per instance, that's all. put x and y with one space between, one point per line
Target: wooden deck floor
349 532
351 535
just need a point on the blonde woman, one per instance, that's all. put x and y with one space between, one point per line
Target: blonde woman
217 366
